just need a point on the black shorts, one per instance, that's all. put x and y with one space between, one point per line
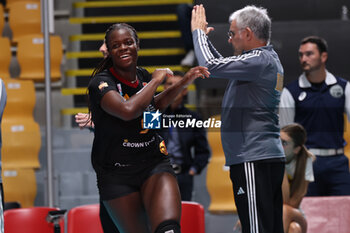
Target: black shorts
117 183
257 188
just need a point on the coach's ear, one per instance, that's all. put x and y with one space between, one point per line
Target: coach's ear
324 57
248 33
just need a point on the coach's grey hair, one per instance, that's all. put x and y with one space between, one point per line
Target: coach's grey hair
256 18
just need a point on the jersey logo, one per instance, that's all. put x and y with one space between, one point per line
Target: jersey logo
240 191
151 120
102 85
145 130
119 86
162 148
302 96
336 91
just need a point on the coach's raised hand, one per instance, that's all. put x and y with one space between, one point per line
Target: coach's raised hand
199 19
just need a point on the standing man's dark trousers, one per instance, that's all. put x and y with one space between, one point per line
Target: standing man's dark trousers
257 188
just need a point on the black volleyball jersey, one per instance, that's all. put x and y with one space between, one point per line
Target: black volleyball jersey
119 143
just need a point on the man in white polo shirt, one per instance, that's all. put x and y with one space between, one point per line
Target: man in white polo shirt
317 100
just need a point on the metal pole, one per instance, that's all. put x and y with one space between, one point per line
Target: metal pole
45 27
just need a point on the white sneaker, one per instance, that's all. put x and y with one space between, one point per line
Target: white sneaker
189 59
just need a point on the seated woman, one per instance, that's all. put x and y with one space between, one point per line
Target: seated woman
298 174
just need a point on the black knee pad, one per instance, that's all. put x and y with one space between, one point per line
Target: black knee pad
168 226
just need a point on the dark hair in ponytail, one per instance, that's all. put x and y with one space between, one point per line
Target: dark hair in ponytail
298 134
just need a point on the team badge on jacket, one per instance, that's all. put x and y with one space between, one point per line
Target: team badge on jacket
336 91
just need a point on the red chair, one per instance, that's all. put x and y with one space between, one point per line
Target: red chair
84 219
29 220
192 218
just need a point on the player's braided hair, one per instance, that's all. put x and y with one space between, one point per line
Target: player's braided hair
106 63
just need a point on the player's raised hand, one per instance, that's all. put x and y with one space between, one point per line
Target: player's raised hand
160 74
196 72
84 120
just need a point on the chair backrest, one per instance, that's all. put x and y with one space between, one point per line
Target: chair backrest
192 217
21 98
30 56
21 142
218 178
5 56
20 133
19 185
10 2
24 19
84 219
29 220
